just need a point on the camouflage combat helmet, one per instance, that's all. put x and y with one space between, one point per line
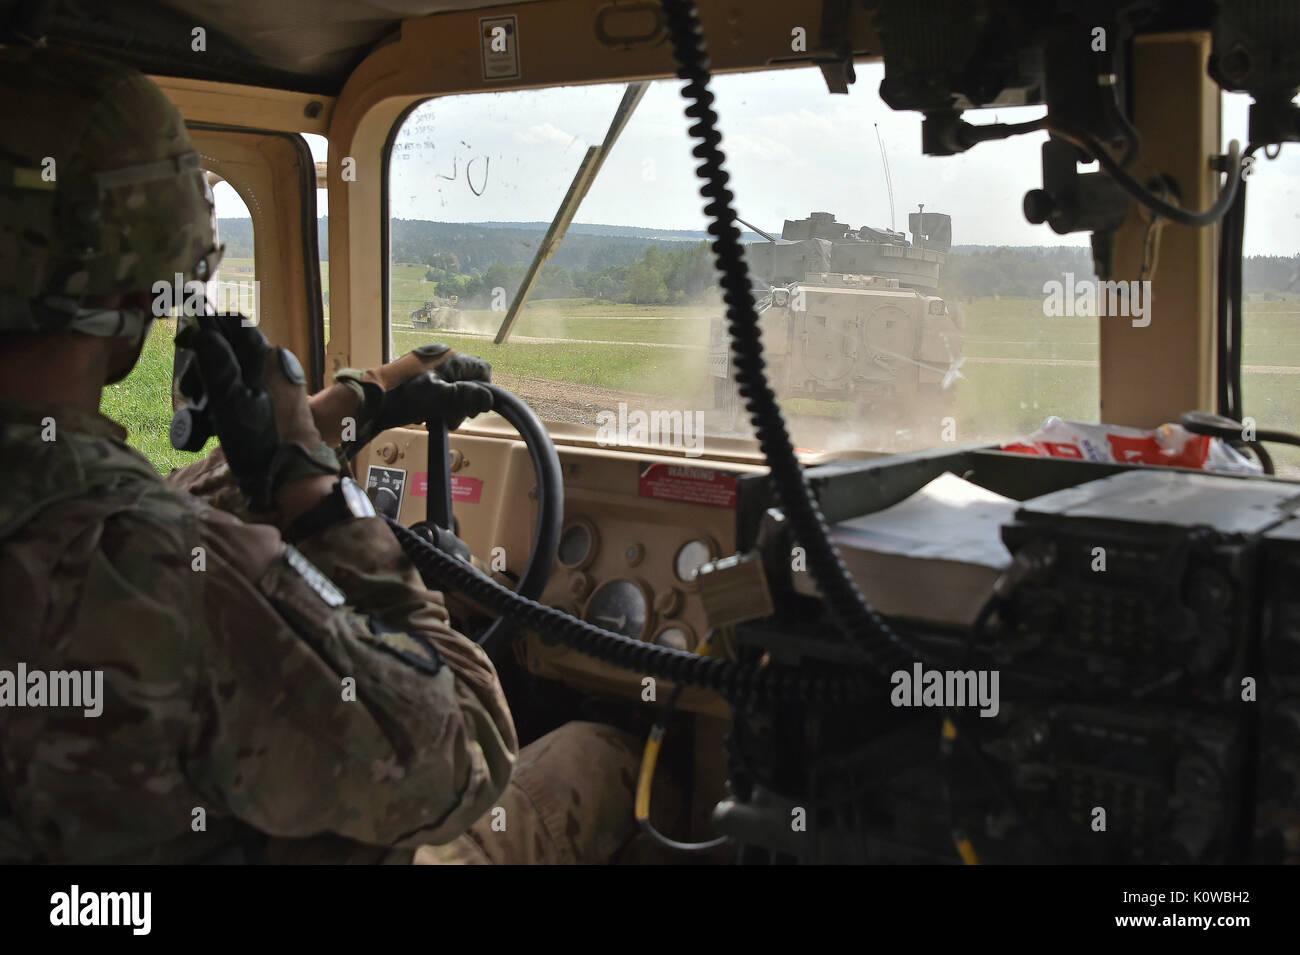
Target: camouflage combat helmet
100 193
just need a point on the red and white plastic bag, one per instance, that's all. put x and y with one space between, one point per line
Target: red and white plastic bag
1170 444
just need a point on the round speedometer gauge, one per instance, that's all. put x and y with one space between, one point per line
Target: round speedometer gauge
621 606
690 557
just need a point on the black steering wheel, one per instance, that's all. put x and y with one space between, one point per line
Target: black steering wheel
550 501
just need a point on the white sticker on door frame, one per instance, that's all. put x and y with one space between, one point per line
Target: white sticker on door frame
499 37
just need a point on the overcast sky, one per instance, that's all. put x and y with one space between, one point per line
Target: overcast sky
791 147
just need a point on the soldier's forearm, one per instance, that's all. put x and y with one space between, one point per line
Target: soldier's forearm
330 409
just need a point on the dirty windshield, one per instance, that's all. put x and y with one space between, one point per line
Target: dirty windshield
904 299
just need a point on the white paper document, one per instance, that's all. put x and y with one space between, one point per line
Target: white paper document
948 519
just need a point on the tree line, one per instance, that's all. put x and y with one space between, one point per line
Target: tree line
470 260
661 276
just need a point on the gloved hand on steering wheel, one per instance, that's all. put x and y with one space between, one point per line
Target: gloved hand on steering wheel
257 402
425 395
431 378
449 366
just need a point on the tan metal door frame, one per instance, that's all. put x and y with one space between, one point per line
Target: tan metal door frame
1151 375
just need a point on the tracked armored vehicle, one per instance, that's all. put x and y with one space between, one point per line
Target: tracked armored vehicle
437 313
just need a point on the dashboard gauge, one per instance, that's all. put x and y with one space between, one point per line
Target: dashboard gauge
621 606
690 557
678 636
578 544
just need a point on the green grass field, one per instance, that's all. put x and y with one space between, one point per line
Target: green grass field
142 402
994 400
624 367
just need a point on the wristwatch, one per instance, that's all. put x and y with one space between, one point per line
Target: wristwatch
345 502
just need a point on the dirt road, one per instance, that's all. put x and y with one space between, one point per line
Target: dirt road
566 401
580 404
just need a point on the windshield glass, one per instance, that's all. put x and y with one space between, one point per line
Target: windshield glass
905 299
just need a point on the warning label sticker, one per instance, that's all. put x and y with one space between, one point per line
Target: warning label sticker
674 482
464 490
500 39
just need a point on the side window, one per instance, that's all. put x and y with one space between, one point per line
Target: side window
319 146
235 285
1270 281
141 402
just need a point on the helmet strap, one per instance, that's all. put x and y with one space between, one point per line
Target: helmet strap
112 322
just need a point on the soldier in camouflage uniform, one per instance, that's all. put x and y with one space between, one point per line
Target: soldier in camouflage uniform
260 700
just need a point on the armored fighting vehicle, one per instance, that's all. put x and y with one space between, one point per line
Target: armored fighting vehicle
438 313
851 315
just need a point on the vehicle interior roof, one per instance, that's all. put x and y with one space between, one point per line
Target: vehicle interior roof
309 46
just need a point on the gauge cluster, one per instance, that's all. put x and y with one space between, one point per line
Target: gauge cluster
630 568
645 588
636 531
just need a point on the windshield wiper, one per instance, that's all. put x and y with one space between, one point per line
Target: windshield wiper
578 189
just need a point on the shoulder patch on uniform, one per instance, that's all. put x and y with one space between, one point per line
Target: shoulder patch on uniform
316 580
414 648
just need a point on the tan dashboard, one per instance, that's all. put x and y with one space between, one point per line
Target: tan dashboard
637 525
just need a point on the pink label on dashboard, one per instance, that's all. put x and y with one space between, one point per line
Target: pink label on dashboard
466 490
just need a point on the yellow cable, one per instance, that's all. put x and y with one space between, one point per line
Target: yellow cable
648 759
967 851
964 847
650 756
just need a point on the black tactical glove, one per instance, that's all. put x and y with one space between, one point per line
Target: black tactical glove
456 366
428 395
257 401
385 402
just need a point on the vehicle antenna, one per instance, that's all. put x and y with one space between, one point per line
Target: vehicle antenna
889 182
754 228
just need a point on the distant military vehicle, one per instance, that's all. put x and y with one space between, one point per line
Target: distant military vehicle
848 315
438 313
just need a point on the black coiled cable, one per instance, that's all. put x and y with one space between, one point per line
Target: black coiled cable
883 648
735 681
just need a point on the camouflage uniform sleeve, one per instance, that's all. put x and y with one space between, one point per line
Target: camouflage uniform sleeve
211 481
374 721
